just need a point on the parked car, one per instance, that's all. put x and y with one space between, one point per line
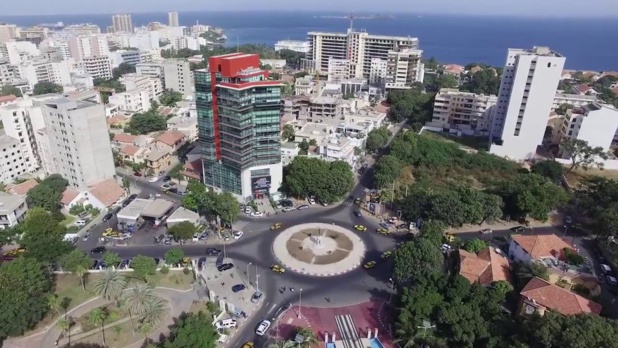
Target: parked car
226 324
167 178
238 287
256 296
257 214
225 267
238 234
98 250
262 328
302 207
153 179
213 252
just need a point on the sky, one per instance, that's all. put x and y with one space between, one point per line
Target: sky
542 8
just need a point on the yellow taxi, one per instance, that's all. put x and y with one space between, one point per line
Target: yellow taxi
383 231
369 265
276 226
108 232
449 237
277 269
385 255
14 252
360 228
248 345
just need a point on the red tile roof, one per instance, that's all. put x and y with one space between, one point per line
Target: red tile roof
558 299
539 246
583 88
485 267
171 137
116 119
193 169
107 192
454 68
7 98
125 138
69 195
24 187
130 150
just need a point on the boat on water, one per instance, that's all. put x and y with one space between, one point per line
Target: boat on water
58 25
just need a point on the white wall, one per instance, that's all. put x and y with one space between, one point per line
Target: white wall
517 253
276 178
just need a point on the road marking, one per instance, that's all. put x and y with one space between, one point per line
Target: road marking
290 320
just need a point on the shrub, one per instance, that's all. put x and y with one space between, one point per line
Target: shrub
165 270
186 270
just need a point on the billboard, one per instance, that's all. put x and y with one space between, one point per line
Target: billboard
261 183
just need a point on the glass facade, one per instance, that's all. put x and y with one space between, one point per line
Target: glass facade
248 124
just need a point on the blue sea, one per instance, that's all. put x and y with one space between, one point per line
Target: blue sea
588 44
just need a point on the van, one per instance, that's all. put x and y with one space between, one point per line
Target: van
81 223
226 324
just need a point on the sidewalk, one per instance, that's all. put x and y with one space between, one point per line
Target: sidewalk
555 220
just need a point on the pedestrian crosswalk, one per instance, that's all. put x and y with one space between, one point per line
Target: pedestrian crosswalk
347 203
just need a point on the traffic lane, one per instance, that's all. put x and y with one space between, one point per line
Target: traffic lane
95 233
246 333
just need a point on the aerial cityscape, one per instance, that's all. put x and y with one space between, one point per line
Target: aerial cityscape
167 184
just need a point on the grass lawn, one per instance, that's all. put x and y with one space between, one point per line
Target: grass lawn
174 279
466 141
68 220
576 176
199 306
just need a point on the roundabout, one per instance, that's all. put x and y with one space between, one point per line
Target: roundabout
319 249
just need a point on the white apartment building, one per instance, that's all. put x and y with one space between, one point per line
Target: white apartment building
462 110
82 29
7 72
359 47
377 71
172 19
13 209
339 69
18 125
292 45
152 85
525 99
572 99
594 123
79 145
177 76
19 51
122 23
403 68
131 57
62 46
135 100
304 86
98 67
185 42
82 47
42 70
8 32
338 148
153 69
143 40
12 161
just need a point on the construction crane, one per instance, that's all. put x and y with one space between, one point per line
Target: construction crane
351 17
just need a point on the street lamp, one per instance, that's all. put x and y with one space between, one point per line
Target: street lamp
300 303
565 230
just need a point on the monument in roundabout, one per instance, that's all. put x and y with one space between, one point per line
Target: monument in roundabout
319 249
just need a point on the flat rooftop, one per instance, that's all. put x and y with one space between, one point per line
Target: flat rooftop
157 208
9 203
183 214
134 209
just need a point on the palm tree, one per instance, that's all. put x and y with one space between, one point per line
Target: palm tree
97 318
80 272
281 344
154 311
137 299
54 303
65 324
309 338
111 285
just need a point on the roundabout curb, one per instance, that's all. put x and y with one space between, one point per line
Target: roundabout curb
279 250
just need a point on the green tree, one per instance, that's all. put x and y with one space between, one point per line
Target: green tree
433 83
377 138
97 318
417 258
549 169
431 63
43 237
144 123
10 89
303 146
45 87
309 337
583 155
111 285
54 303
433 231
597 199
111 259
531 195
502 287
174 256
193 330
412 105
327 181
155 310
226 206
170 98
24 286
143 266
45 197
74 262
288 132
123 69
64 324
524 271
485 81
183 230
136 300
387 170
474 245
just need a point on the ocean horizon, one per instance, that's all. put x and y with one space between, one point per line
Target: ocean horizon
587 43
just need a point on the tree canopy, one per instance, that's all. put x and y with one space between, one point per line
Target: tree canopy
174 256
143 266
416 259
45 87
552 170
146 122
412 105
531 195
192 330
210 203
433 83
288 132
597 200
47 195
377 138
24 287
583 155
326 181
43 236
183 230
123 69
170 98
10 89
485 81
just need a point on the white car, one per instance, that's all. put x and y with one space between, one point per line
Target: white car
226 324
153 179
311 201
248 211
262 328
238 234
257 214
286 209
